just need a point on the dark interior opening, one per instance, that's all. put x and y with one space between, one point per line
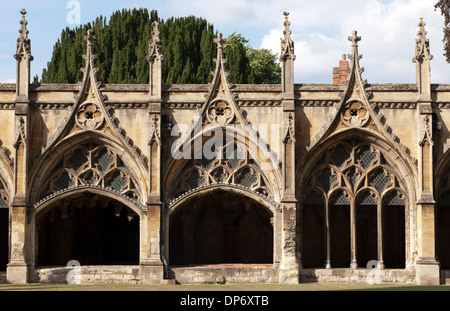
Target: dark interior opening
94 234
4 221
366 234
220 227
340 247
394 236
313 237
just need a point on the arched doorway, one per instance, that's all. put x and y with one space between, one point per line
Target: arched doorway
355 205
90 228
220 227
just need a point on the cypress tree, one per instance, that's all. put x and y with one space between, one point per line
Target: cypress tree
122 46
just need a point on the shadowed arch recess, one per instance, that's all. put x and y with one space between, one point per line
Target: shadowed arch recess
91 225
221 224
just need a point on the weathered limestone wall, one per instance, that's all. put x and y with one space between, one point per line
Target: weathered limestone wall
90 275
224 274
359 276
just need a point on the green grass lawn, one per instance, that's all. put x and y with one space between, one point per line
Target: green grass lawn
215 287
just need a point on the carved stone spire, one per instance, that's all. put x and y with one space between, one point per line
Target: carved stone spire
355 70
287 59
155 58
422 44
287 45
422 60
23 42
23 57
155 45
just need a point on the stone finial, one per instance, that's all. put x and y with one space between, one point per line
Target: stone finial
219 41
354 38
90 38
422 44
23 42
355 56
287 45
155 45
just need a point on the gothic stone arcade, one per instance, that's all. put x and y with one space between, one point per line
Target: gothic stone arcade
351 178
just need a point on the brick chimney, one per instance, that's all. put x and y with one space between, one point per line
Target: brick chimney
340 73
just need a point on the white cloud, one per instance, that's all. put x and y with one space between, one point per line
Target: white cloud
388 31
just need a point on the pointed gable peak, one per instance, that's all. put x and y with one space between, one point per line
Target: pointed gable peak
23 42
90 72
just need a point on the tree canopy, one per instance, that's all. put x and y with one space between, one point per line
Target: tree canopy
188 47
444 6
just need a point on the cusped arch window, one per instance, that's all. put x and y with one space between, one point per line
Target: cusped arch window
353 209
94 165
236 167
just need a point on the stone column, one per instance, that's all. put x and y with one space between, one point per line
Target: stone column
427 267
18 267
289 266
151 265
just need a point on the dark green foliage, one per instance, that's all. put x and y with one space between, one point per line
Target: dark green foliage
444 6
122 46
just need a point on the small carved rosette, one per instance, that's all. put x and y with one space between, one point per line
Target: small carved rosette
355 114
220 112
89 116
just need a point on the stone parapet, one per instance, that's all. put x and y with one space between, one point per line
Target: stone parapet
358 276
225 274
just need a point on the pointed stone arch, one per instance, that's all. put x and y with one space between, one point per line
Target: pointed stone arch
234 217
88 158
221 114
356 111
359 162
90 113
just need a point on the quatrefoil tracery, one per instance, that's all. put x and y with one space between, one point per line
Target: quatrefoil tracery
89 116
220 112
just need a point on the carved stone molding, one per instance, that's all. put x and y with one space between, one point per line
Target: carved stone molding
89 116
220 111
396 105
317 103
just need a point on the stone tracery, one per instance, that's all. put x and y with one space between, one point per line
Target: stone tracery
236 169
353 180
92 164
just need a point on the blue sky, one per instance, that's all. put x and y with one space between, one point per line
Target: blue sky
319 29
